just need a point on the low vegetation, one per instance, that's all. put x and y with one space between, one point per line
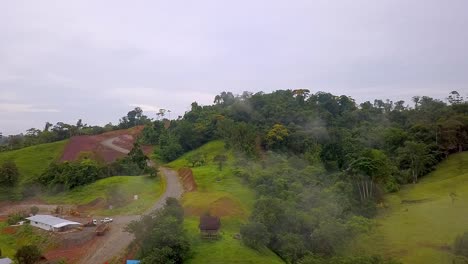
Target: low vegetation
419 223
160 236
147 188
222 194
30 163
13 238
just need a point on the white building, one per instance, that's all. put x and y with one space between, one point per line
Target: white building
6 261
52 223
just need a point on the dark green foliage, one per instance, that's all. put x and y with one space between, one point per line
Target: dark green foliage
196 159
151 133
315 259
68 175
28 254
137 156
161 236
460 246
255 235
14 218
9 174
302 208
170 148
34 210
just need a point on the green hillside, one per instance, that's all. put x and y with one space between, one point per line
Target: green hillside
221 193
419 223
147 189
31 161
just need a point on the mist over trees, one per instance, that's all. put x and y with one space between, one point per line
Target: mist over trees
319 163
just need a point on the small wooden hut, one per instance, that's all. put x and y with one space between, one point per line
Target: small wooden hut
209 226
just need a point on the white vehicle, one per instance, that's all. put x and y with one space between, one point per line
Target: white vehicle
107 220
95 221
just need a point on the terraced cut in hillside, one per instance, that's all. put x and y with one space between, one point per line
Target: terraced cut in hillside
420 223
222 194
106 147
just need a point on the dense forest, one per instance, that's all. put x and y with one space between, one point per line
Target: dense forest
318 163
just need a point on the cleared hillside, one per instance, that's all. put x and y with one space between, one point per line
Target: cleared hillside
94 198
420 223
222 194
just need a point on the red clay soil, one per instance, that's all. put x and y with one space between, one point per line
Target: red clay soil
124 138
71 254
98 203
222 207
9 230
188 182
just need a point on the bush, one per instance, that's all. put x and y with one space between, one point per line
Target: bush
460 246
13 219
28 254
34 210
255 235
9 173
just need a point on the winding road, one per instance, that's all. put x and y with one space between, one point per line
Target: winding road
116 240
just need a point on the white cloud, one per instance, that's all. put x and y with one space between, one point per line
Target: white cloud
147 108
25 108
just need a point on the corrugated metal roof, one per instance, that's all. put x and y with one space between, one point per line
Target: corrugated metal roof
6 261
52 220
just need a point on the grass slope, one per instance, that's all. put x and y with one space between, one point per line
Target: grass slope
420 222
22 236
148 191
32 161
221 193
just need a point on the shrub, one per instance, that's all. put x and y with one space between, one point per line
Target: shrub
34 210
15 218
255 235
460 246
28 254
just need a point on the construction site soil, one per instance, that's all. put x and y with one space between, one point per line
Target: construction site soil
94 145
186 177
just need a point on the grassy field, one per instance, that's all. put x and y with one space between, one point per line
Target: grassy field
223 194
24 235
421 221
32 161
148 190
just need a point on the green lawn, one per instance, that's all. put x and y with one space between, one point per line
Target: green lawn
148 191
219 192
420 222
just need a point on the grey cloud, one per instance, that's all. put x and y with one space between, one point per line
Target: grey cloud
93 60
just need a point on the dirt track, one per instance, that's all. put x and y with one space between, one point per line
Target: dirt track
116 240
110 144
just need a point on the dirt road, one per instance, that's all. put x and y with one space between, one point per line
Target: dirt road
116 240
110 144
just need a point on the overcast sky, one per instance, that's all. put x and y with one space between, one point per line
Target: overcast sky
95 60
